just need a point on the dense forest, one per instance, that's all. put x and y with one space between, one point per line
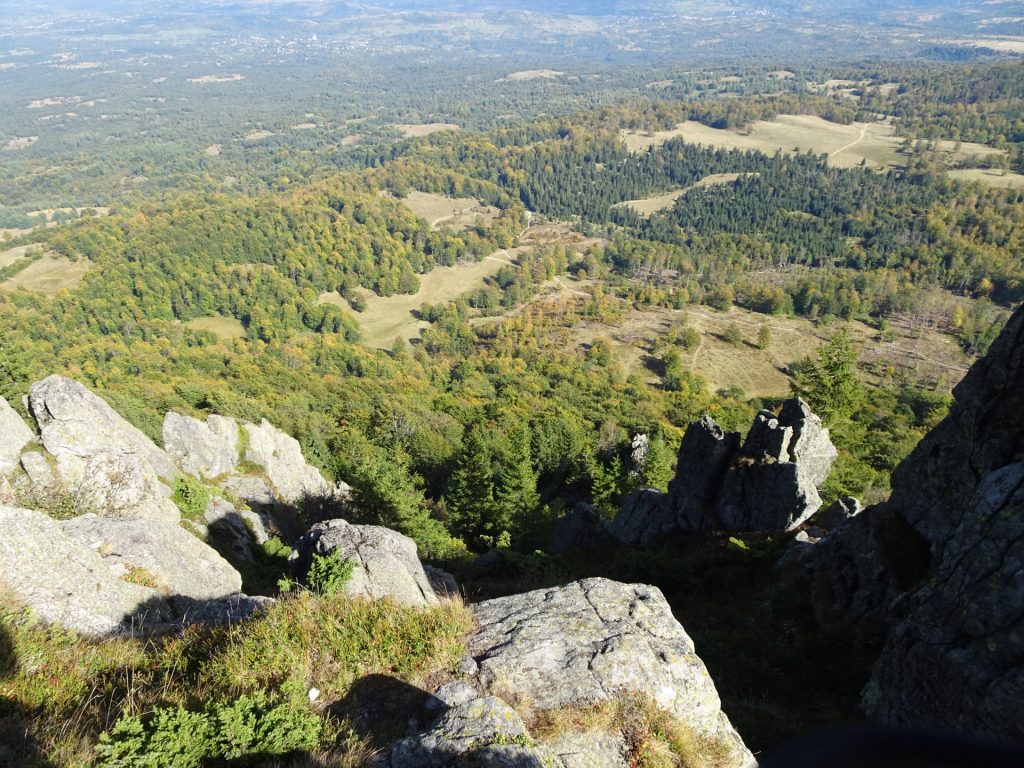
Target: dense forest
483 434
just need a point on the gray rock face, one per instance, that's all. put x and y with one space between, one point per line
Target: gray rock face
228 528
202 449
934 487
250 490
14 436
581 528
838 512
941 562
219 612
590 750
281 458
587 641
773 485
443 583
957 659
704 457
482 732
116 485
73 421
386 564
67 584
178 563
38 469
646 516
639 447
100 458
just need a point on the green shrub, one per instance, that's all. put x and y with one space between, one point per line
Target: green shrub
191 496
329 573
175 737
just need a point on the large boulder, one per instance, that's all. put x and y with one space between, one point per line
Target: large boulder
957 659
14 436
770 484
164 555
481 732
386 564
101 458
704 457
591 640
280 456
73 421
581 528
645 516
773 483
206 449
67 584
115 485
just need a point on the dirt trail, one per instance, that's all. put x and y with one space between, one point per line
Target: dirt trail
855 142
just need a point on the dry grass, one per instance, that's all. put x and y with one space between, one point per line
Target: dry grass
846 145
654 738
49 275
649 205
925 353
258 135
1007 44
11 255
221 327
534 74
414 130
451 212
992 178
875 144
386 317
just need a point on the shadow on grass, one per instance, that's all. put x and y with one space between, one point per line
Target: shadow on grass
17 741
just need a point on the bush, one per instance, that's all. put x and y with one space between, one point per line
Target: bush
175 737
191 496
329 573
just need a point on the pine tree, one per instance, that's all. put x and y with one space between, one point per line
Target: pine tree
830 385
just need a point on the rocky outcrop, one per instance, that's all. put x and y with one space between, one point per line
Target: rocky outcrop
770 484
646 515
14 436
386 564
173 561
101 459
942 562
484 732
102 576
67 584
773 484
838 512
591 640
582 528
280 456
75 422
228 529
704 458
957 659
205 449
